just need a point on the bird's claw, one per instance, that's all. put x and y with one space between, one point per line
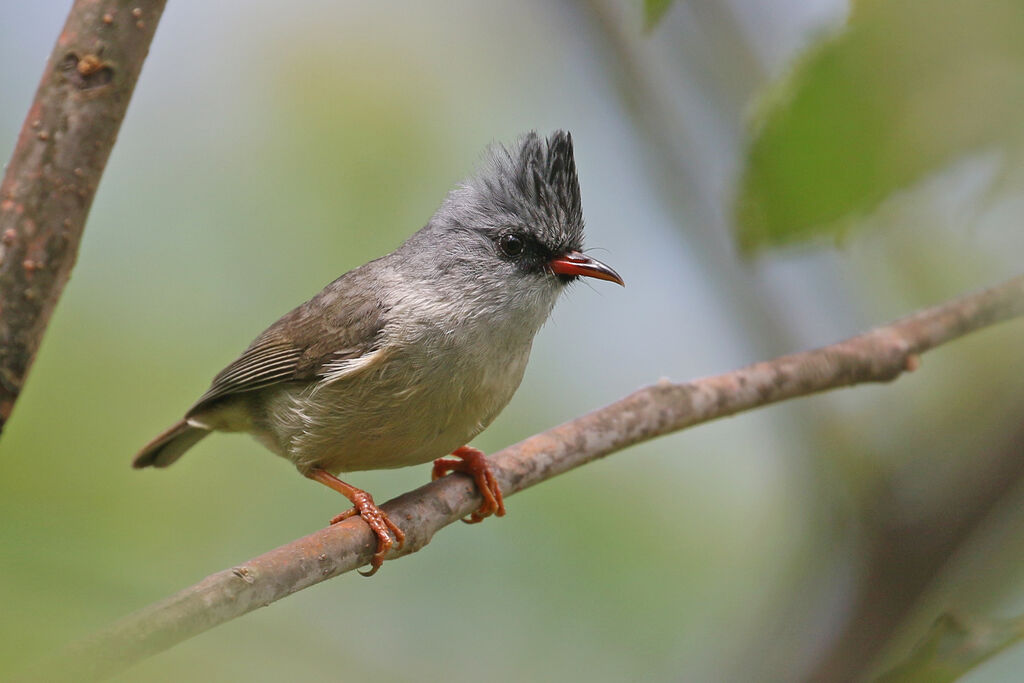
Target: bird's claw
474 463
379 522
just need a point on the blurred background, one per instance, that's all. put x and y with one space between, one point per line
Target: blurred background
766 176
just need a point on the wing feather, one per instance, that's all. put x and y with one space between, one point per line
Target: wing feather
325 338
255 369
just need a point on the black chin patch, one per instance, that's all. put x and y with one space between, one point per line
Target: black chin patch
566 279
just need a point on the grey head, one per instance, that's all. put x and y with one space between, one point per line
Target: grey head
516 226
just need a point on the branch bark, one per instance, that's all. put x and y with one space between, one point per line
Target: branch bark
56 166
880 355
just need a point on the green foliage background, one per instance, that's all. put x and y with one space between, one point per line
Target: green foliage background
903 90
267 151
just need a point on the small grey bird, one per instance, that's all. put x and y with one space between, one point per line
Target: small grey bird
408 357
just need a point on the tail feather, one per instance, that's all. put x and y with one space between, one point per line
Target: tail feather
169 446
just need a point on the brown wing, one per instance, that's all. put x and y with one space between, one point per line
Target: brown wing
304 344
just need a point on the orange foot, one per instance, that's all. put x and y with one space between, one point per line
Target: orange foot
474 463
379 522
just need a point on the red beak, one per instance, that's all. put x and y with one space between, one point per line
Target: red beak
575 263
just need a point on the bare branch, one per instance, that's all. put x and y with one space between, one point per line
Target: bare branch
56 167
877 356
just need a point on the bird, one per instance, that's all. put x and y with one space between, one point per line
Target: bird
408 357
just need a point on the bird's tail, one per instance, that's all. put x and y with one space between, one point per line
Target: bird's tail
169 446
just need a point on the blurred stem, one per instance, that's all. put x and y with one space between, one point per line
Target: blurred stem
953 646
56 166
880 355
903 555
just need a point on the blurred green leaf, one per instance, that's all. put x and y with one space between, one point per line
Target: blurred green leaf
953 646
905 89
654 10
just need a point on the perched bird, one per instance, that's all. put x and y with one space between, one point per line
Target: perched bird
408 357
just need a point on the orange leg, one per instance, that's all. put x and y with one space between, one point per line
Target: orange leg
368 510
474 463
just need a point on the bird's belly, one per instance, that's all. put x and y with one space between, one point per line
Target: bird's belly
376 421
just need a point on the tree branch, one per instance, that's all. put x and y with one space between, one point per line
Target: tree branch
56 167
880 355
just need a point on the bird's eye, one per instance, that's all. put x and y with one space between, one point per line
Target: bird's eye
512 245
